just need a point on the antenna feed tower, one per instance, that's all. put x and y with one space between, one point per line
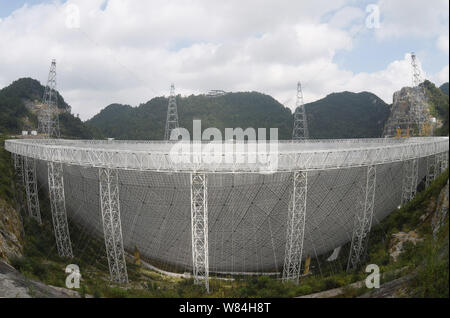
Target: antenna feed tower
172 114
48 122
300 129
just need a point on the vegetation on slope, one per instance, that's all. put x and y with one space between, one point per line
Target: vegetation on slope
232 110
14 114
439 106
444 88
427 260
347 115
339 115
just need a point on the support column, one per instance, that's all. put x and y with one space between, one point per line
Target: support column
363 220
295 228
112 227
31 188
444 161
431 169
18 168
58 207
199 229
410 175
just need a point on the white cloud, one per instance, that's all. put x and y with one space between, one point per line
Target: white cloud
346 16
442 43
442 77
413 18
132 50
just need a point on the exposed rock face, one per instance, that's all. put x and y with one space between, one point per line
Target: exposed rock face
11 240
441 211
403 101
14 285
399 239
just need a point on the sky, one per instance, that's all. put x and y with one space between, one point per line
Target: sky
129 51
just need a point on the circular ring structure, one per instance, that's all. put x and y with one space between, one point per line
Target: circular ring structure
284 156
247 207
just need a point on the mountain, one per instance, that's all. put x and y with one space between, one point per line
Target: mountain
444 88
347 115
147 121
19 104
339 115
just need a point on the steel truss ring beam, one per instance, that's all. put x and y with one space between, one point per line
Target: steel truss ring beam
291 155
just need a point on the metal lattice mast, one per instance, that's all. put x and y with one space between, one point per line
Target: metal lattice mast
300 130
112 227
58 208
199 229
172 114
410 176
431 169
48 123
444 162
363 220
416 78
18 168
31 189
417 111
295 228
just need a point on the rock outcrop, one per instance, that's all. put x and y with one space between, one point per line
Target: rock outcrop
14 285
403 102
441 212
11 240
399 239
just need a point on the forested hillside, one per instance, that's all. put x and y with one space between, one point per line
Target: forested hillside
444 88
439 105
340 115
17 111
347 115
231 110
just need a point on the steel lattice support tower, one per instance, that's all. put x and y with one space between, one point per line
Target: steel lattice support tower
31 188
58 208
300 129
417 111
172 114
363 220
295 228
444 162
431 169
410 176
48 122
438 165
112 226
18 168
199 229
